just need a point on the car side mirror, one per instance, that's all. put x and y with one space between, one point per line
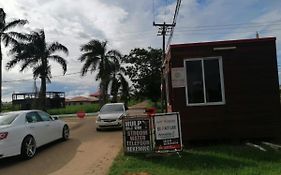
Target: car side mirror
55 118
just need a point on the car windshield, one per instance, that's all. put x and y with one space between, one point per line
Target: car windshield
112 108
7 118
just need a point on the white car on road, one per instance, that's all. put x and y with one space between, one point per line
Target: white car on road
21 132
110 116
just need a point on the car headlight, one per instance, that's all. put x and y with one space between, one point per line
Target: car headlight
122 117
98 118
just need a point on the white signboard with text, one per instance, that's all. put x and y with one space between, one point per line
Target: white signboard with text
178 77
167 132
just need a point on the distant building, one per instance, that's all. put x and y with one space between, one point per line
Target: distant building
81 100
29 100
96 94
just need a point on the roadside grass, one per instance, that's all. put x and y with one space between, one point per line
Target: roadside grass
209 160
88 108
132 102
156 105
74 109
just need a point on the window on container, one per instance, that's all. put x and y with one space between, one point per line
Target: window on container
195 82
204 81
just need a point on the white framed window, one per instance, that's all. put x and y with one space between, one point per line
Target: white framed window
204 81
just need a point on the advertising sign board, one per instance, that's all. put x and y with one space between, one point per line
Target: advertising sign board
136 135
167 132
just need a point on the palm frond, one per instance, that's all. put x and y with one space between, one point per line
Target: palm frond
27 63
86 67
12 24
87 55
8 40
12 63
94 46
18 36
55 46
61 61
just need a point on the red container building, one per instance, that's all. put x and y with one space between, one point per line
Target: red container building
225 89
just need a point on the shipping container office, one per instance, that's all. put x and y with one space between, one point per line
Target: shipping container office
225 89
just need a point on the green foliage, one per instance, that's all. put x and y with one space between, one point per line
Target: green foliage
133 101
154 104
74 109
144 70
6 107
211 160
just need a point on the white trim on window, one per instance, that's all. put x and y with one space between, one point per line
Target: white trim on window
219 58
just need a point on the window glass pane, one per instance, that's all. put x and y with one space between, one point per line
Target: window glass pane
7 118
33 117
45 116
212 80
194 82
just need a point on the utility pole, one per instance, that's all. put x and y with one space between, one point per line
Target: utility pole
164 29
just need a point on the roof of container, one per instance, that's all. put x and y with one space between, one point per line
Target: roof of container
210 43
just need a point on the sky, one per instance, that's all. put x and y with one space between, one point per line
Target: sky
128 24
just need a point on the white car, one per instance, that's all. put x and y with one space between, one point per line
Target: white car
21 132
110 116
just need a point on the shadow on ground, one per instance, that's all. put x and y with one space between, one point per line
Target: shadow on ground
48 159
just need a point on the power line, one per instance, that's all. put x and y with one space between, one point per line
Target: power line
174 21
29 79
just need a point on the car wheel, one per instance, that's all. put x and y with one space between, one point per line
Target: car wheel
98 129
65 132
28 147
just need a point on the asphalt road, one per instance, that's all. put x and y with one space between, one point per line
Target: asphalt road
86 152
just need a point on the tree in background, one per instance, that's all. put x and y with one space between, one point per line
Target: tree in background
95 56
119 84
144 70
8 38
34 52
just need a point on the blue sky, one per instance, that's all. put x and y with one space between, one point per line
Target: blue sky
127 24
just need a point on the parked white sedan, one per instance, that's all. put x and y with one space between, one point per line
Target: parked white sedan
21 132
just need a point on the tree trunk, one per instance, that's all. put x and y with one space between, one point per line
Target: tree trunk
42 95
101 95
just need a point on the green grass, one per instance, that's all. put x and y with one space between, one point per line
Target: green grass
74 109
156 105
211 160
132 102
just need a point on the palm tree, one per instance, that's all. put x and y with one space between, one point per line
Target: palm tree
118 81
7 38
36 53
95 56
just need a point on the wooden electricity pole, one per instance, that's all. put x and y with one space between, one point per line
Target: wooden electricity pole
164 29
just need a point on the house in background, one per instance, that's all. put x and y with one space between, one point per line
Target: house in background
81 100
225 89
96 94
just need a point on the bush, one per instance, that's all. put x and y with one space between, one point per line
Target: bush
88 108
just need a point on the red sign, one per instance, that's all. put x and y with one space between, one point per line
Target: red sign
80 114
